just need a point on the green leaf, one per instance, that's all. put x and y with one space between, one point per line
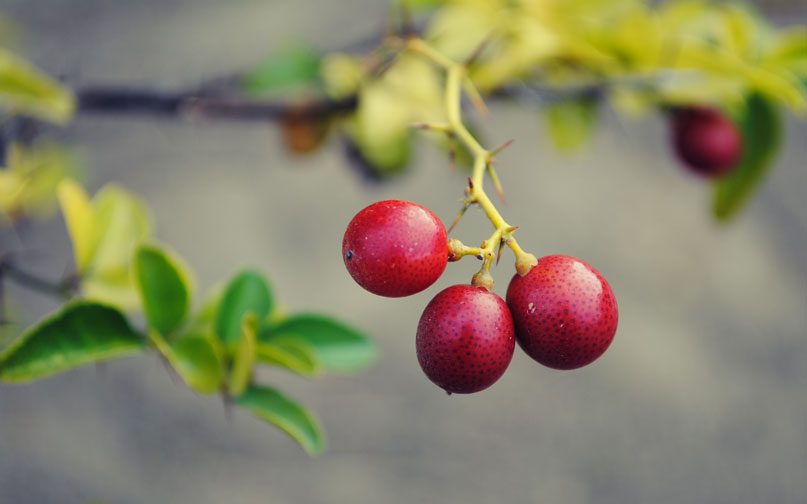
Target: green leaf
26 90
205 318
419 5
571 122
380 159
337 347
298 64
164 288
244 357
272 406
761 130
295 355
196 358
79 334
247 292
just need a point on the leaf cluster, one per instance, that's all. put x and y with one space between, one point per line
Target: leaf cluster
216 350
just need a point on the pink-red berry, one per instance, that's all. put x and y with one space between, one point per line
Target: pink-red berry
465 339
395 248
706 141
564 312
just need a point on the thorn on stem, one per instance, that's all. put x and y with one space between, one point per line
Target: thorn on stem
457 220
502 147
496 183
476 97
471 59
499 253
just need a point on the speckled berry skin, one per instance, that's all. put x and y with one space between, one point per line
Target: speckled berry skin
465 339
395 248
706 141
564 311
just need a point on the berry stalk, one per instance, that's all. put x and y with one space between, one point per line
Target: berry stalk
456 80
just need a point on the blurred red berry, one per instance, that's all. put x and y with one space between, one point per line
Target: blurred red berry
707 141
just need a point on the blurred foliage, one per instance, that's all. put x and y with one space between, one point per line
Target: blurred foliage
29 177
573 55
761 130
26 90
297 65
119 270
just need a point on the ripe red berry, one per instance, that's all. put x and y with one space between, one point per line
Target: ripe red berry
465 339
564 312
395 248
708 142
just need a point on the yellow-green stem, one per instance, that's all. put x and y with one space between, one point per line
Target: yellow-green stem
456 76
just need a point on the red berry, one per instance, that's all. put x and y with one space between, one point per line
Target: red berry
465 339
708 142
395 248
564 312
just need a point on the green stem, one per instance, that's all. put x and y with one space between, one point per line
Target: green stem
456 75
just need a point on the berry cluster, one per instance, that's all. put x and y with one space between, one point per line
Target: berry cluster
561 311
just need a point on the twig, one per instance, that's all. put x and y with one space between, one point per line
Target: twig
63 289
122 101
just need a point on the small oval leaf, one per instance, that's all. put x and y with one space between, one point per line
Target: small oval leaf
26 90
275 408
295 355
196 358
761 130
164 289
247 292
337 346
79 334
79 218
571 122
298 64
244 358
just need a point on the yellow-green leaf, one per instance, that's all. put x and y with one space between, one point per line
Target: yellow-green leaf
293 419
244 357
295 355
571 122
122 221
196 358
79 218
26 90
790 51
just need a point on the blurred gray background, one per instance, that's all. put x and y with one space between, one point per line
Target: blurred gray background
702 397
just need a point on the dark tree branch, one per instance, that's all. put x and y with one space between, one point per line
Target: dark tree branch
123 101
63 289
